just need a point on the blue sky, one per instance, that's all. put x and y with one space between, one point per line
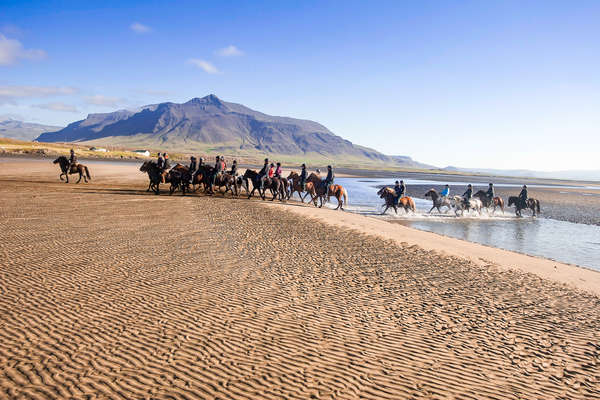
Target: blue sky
471 83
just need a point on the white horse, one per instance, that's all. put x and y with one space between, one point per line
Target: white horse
460 205
438 201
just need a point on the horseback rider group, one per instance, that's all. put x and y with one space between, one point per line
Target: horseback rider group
400 189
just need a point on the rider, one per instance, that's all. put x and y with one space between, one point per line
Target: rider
329 179
262 173
490 193
167 164
233 171
72 160
399 189
523 196
223 164
468 195
160 162
271 170
218 169
446 191
303 177
192 168
278 170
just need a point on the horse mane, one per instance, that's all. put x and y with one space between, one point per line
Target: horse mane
480 192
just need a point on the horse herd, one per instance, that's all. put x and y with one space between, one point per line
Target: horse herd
180 178
479 202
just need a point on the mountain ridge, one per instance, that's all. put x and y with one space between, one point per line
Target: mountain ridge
213 124
20 130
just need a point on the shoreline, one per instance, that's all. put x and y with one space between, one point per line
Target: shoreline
580 277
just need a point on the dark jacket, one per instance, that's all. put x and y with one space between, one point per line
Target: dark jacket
523 194
73 158
330 177
400 190
160 162
490 193
303 174
468 194
233 171
192 166
264 170
166 164
218 167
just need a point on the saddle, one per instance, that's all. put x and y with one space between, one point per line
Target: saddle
73 168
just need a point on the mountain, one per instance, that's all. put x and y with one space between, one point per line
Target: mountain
212 125
578 175
23 130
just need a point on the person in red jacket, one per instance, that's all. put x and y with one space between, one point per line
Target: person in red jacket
271 170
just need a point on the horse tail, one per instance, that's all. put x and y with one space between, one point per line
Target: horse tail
412 205
345 194
537 204
87 173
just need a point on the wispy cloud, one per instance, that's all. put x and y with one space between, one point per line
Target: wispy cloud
11 50
140 28
230 51
100 100
57 106
8 94
204 65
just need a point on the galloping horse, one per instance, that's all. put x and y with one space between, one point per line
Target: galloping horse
274 184
532 204
323 193
296 187
389 195
154 175
80 169
230 183
486 203
438 201
461 205
179 177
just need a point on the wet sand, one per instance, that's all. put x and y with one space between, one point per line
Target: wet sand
107 291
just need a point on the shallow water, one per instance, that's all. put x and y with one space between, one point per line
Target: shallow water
558 240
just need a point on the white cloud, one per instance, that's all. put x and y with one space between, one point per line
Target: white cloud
100 100
11 50
8 94
140 28
205 65
57 106
230 51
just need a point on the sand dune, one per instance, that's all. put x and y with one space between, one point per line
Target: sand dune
109 292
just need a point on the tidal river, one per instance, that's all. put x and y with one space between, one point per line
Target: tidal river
564 241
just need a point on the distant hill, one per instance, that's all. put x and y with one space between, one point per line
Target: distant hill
211 125
20 130
580 175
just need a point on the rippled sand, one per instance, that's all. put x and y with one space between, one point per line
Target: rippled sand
109 292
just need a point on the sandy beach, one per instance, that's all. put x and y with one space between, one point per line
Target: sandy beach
107 291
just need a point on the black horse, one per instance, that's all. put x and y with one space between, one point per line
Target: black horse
154 174
80 169
530 203
274 184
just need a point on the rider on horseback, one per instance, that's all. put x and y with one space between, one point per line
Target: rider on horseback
160 162
72 160
166 164
263 173
233 171
446 191
217 170
192 168
490 193
278 170
523 197
329 179
468 195
400 189
303 177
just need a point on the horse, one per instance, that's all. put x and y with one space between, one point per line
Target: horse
389 195
486 203
179 178
531 203
154 175
229 181
295 186
461 205
80 169
438 201
274 184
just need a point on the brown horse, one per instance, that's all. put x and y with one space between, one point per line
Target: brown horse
296 187
276 185
323 193
531 203
389 195
179 178
154 175
80 169
485 201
